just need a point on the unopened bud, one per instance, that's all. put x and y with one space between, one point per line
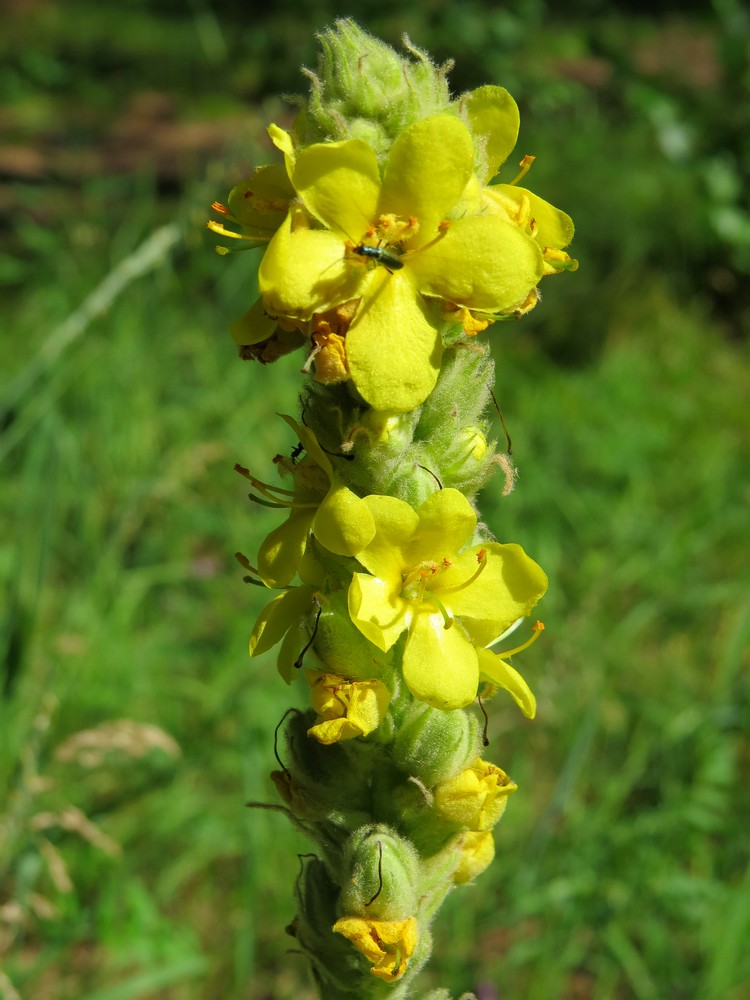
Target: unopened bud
340 648
364 89
383 875
476 851
476 798
431 745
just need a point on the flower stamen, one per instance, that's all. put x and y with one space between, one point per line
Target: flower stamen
482 560
272 496
221 229
525 165
537 629
437 603
442 230
415 582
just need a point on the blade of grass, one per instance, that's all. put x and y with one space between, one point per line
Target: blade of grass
146 983
143 259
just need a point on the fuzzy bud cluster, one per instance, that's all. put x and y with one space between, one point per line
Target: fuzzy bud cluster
363 89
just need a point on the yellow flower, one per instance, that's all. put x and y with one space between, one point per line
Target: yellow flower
276 623
448 598
494 119
476 851
386 944
319 503
257 205
346 709
550 227
476 797
399 245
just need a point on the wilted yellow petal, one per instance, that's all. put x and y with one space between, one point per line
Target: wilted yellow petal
387 944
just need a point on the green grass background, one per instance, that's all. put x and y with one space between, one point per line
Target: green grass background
622 863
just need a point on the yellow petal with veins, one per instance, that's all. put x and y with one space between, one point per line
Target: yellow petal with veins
440 664
428 168
339 183
288 283
393 349
482 262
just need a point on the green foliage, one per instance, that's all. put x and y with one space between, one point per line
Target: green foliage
622 861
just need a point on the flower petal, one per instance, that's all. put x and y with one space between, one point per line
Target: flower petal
440 664
482 262
254 327
497 670
343 523
476 853
395 523
260 202
280 552
304 271
339 183
376 610
278 616
553 227
428 168
283 142
494 119
446 523
476 797
507 589
393 349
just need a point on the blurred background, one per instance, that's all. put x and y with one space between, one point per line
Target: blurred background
133 726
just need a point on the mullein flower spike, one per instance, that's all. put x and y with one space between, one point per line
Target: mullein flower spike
386 250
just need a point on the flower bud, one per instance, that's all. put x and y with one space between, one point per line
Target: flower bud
316 912
341 648
476 851
383 875
364 89
476 798
345 709
319 782
388 433
452 424
416 480
431 745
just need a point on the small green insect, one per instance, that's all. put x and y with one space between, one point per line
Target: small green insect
391 261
